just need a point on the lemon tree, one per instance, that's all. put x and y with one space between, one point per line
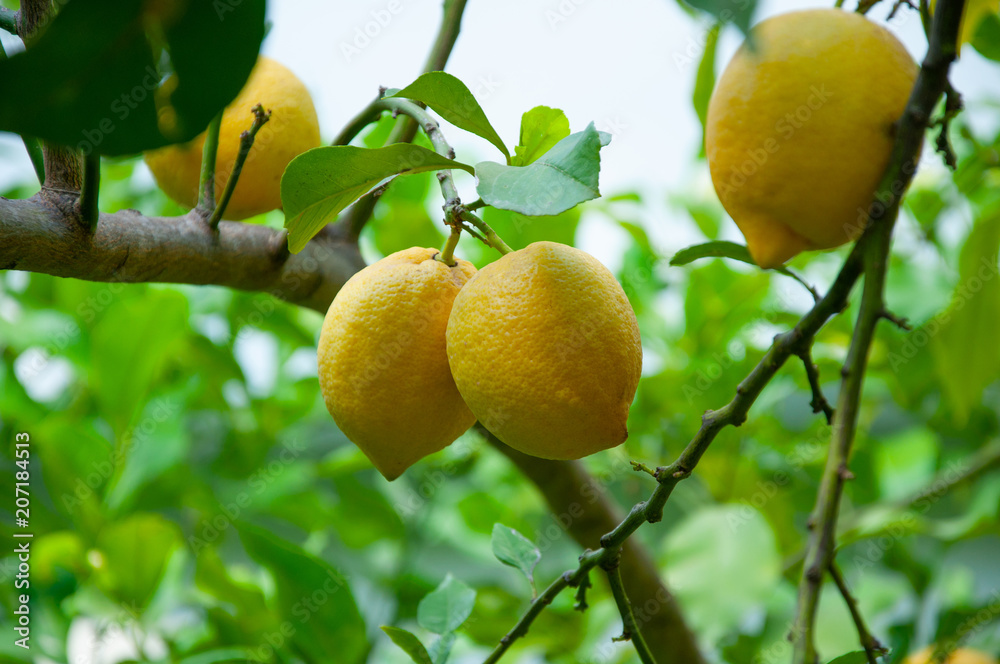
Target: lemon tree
496 447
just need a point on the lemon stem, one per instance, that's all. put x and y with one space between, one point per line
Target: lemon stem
206 184
454 211
492 239
447 255
260 118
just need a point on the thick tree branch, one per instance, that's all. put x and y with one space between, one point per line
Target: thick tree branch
931 84
582 502
131 248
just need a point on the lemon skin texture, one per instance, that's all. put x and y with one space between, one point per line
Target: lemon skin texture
800 129
959 656
292 129
383 369
545 350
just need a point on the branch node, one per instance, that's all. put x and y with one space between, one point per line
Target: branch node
845 473
899 321
643 468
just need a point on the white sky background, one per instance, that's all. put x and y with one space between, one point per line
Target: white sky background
628 66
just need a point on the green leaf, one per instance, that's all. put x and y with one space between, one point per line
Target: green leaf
135 552
966 356
717 249
519 231
704 82
446 608
857 657
563 177
217 656
130 344
723 562
986 38
318 184
409 644
453 101
514 549
541 128
739 13
440 650
335 626
107 92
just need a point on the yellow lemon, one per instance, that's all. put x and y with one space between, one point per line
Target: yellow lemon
383 368
800 129
545 350
960 656
292 129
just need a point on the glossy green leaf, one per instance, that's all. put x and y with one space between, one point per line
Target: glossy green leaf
738 13
723 562
563 177
217 656
318 184
453 101
717 249
335 626
108 93
857 657
409 644
963 339
986 38
130 345
519 230
440 650
135 552
447 607
541 128
514 549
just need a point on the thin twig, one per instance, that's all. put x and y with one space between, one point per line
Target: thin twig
794 275
368 115
260 118
206 183
492 239
732 414
444 42
873 648
90 191
875 243
406 128
630 628
819 403
952 107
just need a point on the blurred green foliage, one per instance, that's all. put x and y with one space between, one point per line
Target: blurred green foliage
192 501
